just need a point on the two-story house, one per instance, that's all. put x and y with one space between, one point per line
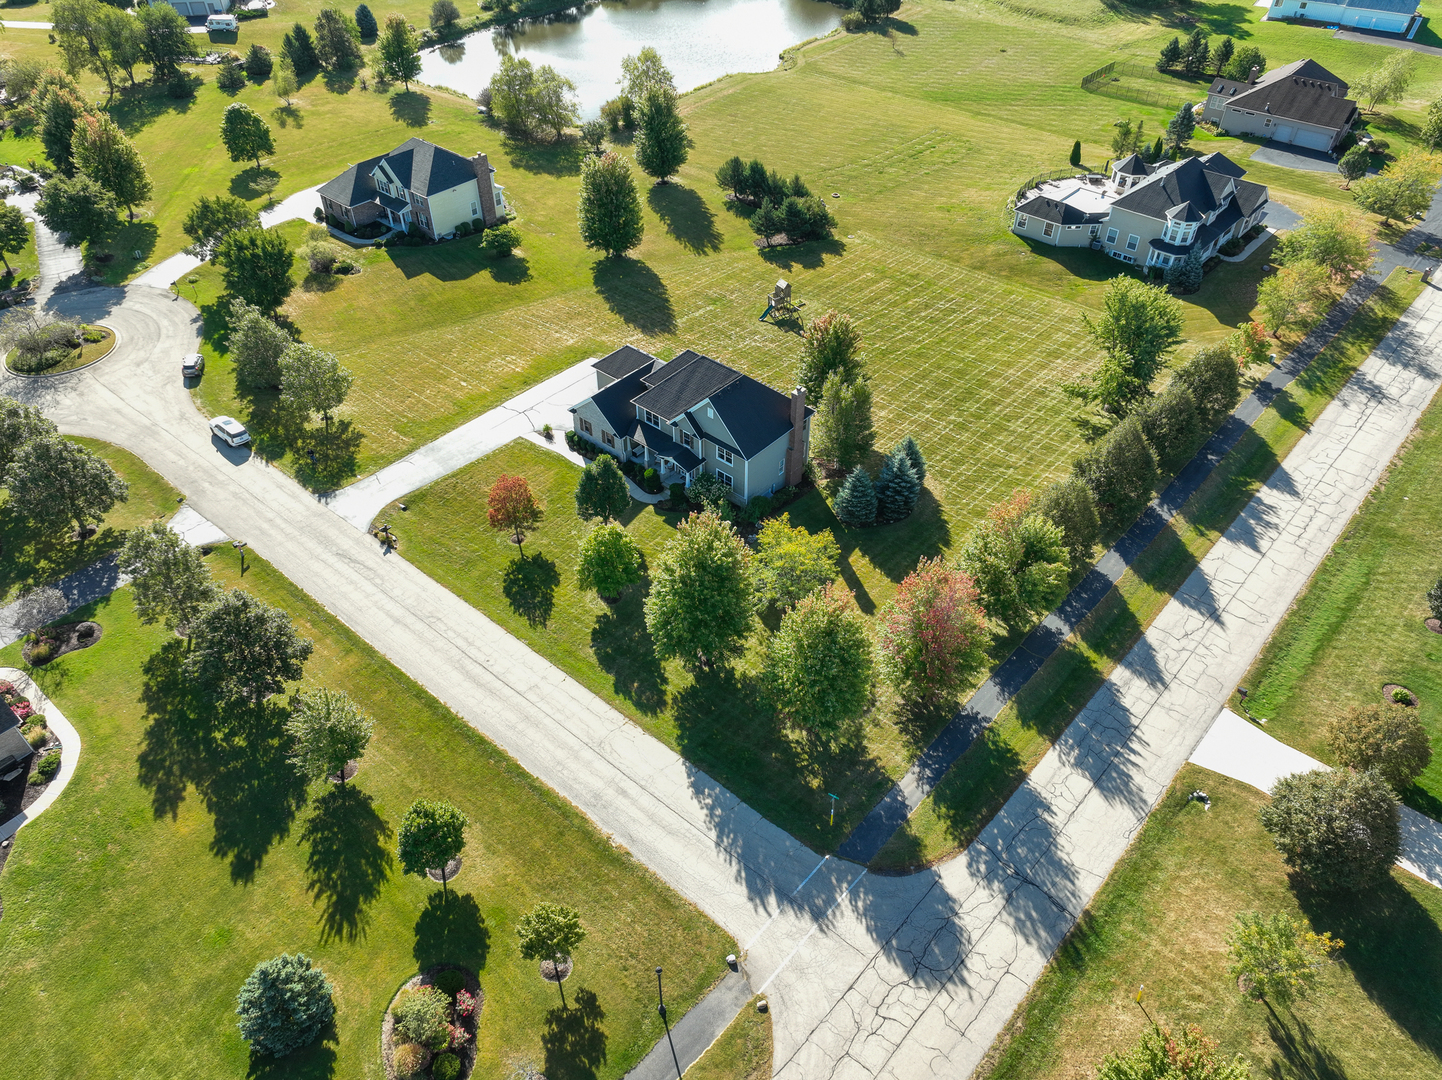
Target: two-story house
1152 215
693 415
1303 104
417 183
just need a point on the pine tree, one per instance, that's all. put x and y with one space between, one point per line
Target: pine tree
1189 276
912 450
856 501
897 489
1182 127
1222 54
1171 53
1195 60
300 47
365 22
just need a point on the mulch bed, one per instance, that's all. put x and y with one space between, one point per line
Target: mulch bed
452 869
65 638
351 768
1387 695
548 970
472 1023
775 240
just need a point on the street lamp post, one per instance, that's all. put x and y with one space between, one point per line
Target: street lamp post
661 1008
239 546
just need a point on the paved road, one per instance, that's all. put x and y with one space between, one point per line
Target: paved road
868 976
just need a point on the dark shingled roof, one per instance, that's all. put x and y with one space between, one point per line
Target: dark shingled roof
755 414
675 387
1132 165
660 442
354 186
422 167
1249 196
614 401
8 719
1395 7
1062 213
14 752
1199 181
1303 90
623 361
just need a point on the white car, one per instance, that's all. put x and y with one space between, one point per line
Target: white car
231 430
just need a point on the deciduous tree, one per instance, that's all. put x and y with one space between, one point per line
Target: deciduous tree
432 833
14 233
553 104
1018 561
256 344
1128 137
790 563
1138 328
312 381
165 39
609 208
1121 471
337 41
699 607
1172 426
444 14
78 207
830 344
54 482
284 1004
1239 68
551 932
662 144
79 28
1388 81
103 152
243 649
1404 188
932 635
1332 238
818 666
255 264
1337 829
1213 379
400 49
1069 505
642 72
283 85
1356 161
610 560
842 428
60 108
328 730
593 134
212 218
511 507
19 424
1387 738
169 580
1275 958
245 133
601 491
1295 297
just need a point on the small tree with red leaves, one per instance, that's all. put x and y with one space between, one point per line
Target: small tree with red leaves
933 633
512 508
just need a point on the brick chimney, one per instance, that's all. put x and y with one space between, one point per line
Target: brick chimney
796 449
1252 78
482 167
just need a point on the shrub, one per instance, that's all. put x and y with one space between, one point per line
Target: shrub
230 77
678 494
478 225
446 1067
465 1003
47 768
423 1016
1121 471
707 490
283 1005
323 255
1337 829
343 267
40 652
853 21
1172 426
1386 738
1380 146
1164 1054
410 1059
1434 600
1401 696
651 481
450 982
756 509
500 241
37 735
463 228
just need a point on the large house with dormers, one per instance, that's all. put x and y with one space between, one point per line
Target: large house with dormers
1150 215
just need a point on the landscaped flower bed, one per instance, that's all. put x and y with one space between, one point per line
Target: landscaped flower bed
56 641
430 1028
36 346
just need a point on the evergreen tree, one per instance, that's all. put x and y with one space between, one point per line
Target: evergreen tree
1197 53
732 175
337 41
1181 127
662 144
1189 277
365 22
300 47
609 206
1171 55
912 450
1075 158
856 501
1222 54
258 62
283 1005
897 489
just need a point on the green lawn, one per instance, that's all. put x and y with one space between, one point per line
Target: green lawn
184 851
742 1052
28 559
1161 920
987 774
1359 624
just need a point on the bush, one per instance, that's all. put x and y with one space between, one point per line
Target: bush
678 494
1121 471
40 652
182 85
37 735
94 337
756 509
853 21
1337 829
1172 426
423 1016
651 481
47 768
501 241
463 228
410 1059
1234 246
1379 146
1434 600
283 1005
448 982
1401 696
343 267
446 1067
478 225
1388 739
708 491
323 255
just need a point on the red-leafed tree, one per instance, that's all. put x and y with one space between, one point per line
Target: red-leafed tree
933 633
511 507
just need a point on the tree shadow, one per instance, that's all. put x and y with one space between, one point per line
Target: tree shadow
1303 1056
452 52
529 584
314 1061
411 108
288 116
686 217
136 107
244 184
624 650
337 454
236 757
562 157
574 1041
512 270
317 282
339 82
451 930
348 862
636 293
810 255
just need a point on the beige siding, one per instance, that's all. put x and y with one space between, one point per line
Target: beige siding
1062 235
449 208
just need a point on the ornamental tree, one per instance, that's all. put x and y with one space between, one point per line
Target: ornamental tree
1388 81
1434 599
1333 238
551 932
432 833
54 482
78 207
1068 504
699 607
256 343
212 219
818 667
1121 470
312 381
104 153
609 208
283 84
243 649
1017 560
14 233
1164 1054
1248 346
400 49
328 730
255 264
18 425
843 433
423 1017
284 1004
642 72
1387 738
511 507
933 633
662 145
602 492
1276 958
1337 829
169 580
830 344
500 240
790 563
245 133
610 560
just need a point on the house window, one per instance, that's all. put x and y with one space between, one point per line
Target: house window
725 478
1111 236
1096 230
608 439
653 419
475 209
687 441
722 454
1021 220
586 427
781 467
1132 241
1267 122
1048 229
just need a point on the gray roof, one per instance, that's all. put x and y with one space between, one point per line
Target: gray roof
1303 90
8 719
755 414
1132 165
14 750
1397 7
1060 212
623 362
660 442
614 401
1198 181
422 167
690 378
1250 196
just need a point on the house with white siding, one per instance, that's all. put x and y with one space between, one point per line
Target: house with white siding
1389 16
695 415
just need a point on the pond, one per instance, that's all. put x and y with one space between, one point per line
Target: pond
699 40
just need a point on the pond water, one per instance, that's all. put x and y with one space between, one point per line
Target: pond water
699 40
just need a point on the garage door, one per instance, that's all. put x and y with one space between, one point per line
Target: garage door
1282 133
1316 140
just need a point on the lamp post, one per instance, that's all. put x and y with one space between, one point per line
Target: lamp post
1242 695
239 546
661 1008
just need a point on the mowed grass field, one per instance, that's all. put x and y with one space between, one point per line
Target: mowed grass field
1360 625
1161 920
184 851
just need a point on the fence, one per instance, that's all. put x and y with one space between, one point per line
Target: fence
1106 81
